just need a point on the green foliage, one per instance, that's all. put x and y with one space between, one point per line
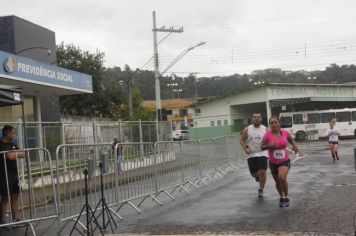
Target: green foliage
73 58
110 97
123 78
233 84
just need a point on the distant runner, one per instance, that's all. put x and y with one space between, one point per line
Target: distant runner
276 141
333 134
250 141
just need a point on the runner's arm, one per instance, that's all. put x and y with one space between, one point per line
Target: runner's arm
243 139
265 145
292 142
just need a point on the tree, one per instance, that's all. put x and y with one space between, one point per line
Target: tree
73 58
124 79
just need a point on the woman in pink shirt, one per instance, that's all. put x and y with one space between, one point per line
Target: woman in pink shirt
276 142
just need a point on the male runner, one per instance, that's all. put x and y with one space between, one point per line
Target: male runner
257 159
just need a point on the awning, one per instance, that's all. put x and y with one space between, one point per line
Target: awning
10 95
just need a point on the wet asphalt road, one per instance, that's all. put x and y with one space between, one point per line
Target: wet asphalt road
322 194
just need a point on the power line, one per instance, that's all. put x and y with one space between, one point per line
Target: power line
286 20
334 49
283 67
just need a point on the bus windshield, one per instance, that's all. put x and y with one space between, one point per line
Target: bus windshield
286 122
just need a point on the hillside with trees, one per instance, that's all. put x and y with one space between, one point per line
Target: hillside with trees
112 86
143 80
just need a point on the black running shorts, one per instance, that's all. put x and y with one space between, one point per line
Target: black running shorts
333 142
257 163
274 167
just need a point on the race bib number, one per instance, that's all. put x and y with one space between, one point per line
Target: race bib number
279 154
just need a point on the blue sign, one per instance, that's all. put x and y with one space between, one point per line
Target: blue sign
25 69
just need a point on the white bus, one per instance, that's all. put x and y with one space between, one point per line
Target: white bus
301 124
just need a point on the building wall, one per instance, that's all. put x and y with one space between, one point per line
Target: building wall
229 109
14 113
210 132
17 34
27 35
249 97
7 42
212 112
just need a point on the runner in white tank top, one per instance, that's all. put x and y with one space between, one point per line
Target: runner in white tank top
257 159
333 134
254 139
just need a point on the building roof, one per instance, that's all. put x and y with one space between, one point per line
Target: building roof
351 84
168 104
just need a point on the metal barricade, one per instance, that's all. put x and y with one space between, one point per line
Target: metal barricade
191 160
209 156
135 175
221 153
169 164
235 154
28 185
129 174
138 170
72 161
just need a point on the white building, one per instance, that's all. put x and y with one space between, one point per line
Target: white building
271 99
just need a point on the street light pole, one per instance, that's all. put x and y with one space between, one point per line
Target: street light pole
195 87
178 90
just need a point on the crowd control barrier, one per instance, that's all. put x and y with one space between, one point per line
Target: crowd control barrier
27 185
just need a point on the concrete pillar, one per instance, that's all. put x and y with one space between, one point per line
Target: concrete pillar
268 108
39 126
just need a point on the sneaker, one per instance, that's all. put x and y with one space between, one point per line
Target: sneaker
19 224
260 193
281 202
286 202
257 178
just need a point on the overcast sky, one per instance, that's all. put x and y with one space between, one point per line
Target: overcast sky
240 35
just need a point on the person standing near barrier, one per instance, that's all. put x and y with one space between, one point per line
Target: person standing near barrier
333 134
9 184
119 150
250 141
276 141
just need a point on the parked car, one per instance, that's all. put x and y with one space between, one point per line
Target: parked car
180 135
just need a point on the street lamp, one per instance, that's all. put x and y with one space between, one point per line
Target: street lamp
178 90
157 87
49 51
182 54
172 85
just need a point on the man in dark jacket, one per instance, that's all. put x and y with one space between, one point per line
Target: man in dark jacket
9 177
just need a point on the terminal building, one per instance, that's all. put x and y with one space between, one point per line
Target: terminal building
28 59
230 114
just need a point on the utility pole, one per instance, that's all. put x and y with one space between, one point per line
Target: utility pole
305 51
130 96
156 63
